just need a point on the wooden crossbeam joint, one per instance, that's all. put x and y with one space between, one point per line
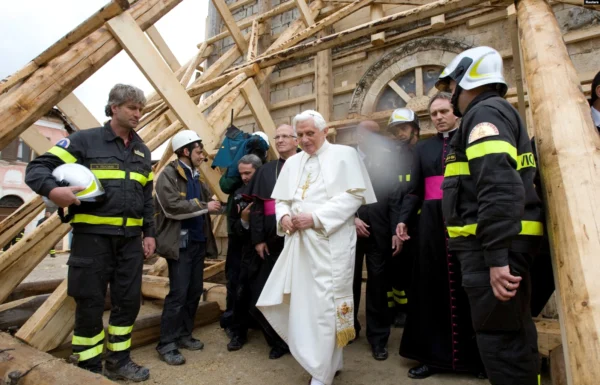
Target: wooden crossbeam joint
231 25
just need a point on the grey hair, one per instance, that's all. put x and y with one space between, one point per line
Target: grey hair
318 120
251 159
440 95
121 94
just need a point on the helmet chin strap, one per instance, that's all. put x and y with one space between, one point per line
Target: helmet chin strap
454 101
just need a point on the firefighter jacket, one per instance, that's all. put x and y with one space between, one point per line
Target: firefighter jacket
125 173
489 199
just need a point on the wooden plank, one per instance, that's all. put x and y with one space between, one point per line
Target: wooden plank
395 2
568 162
158 74
516 49
209 85
261 113
35 288
240 3
438 22
51 323
400 91
487 19
91 24
293 76
548 335
14 314
213 270
324 84
162 47
253 43
232 27
10 233
221 92
77 113
48 85
28 366
158 288
158 267
376 14
558 372
35 204
203 53
305 13
34 139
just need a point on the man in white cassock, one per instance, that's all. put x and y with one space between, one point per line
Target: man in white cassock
308 296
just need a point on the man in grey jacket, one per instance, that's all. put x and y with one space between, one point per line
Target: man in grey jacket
184 239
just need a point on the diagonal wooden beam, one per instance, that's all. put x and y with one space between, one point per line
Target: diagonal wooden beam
203 52
253 43
231 25
261 113
400 91
162 47
77 113
305 13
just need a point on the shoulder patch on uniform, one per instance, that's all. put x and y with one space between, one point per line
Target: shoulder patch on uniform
64 143
450 158
483 130
139 153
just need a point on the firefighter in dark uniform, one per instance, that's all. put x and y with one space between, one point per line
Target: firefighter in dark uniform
493 214
110 237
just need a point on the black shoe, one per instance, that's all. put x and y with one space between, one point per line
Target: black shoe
236 343
229 333
380 353
174 357
190 343
277 352
421 371
128 372
400 320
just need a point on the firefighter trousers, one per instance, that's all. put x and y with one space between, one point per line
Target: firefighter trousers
96 261
506 334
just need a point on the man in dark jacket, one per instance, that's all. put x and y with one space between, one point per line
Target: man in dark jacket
184 239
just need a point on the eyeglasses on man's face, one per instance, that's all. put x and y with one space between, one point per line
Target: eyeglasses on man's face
284 137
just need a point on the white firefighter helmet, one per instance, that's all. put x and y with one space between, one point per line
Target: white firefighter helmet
474 68
263 136
403 115
73 174
183 138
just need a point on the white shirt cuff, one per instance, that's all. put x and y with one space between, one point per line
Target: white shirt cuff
245 224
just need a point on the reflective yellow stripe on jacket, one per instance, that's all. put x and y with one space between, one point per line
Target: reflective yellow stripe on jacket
62 154
497 147
119 174
112 221
527 228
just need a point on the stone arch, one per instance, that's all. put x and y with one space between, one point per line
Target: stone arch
427 51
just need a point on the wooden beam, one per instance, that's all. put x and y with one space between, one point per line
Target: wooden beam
34 139
34 205
487 19
253 43
395 2
400 91
548 331
159 267
221 92
51 323
14 314
77 113
558 372
203 52
35 288
239 4
158 288
84 29
49 84
324 84
25 365
438 22
305 13
568 161
213 270
261 113
158 74
376 14
232 27
162 47
516 49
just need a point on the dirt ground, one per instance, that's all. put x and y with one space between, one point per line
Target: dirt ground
214 365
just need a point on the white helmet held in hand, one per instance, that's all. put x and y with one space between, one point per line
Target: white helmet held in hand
263 136
474 68
183 138
73 174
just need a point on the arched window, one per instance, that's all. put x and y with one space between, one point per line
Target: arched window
415 83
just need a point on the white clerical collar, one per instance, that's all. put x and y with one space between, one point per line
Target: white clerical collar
447 133
596 117
194 172
323 148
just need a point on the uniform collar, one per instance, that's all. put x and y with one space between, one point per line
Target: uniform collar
109 134
479 98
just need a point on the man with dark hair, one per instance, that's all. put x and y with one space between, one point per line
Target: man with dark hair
438 331
184 238
493 214
595 100
110 238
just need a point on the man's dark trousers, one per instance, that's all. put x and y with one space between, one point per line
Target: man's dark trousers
186 284
506 334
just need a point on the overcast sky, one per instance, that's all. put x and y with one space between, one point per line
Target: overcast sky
28 27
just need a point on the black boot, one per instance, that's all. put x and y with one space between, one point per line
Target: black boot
236 343
128 372
421 371
380 353
174 357
190 343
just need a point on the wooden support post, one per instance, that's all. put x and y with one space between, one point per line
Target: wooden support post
261 113
30 289
15 313
305 13
47 86
438 22
376 14
32 367
158 288
516 49
568 161
558 373
203 53
51 323
253 43
324 84
162 47
77 113
231 25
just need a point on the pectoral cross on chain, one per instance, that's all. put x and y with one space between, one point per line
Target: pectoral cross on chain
306 185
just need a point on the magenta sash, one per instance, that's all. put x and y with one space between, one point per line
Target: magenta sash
270 207
433 187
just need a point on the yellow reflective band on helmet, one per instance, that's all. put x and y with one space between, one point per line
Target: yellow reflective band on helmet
491 147
527 228
138 177
62 154
93 186
119 346
525 160
456 169
119 330
88 341
473 72
90 353
111 221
